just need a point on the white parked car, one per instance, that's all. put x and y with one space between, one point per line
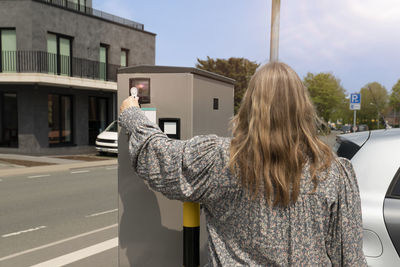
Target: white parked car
376 159
107 141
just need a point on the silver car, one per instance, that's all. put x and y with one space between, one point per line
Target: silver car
376 159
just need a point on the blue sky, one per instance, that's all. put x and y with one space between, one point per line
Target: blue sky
357 40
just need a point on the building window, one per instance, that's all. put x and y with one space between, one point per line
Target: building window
143 86
60 119
215 103
103 61
8 48
8 120
82 5
77 4
98 117
124 57
72 4
59 54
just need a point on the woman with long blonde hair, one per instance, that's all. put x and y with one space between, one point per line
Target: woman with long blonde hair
273 194
275 134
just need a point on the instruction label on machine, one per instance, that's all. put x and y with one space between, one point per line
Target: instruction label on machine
150 114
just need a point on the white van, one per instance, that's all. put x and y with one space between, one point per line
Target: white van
107 141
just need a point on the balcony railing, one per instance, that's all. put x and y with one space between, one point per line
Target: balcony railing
94 12
43 62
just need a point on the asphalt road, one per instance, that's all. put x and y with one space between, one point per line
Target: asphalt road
47 216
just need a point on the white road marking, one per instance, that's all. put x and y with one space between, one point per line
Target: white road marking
24 231
38 176
79 254
111 168
101 213
56 243
80 171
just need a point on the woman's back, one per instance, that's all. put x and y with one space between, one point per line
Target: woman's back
313 231
321 228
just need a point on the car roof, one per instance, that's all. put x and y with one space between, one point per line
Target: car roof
359 138
393 133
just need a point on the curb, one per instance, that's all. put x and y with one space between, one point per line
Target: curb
55 168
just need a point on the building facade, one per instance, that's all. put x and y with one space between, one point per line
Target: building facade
58 73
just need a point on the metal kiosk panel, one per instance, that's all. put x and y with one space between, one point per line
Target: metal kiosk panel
150 225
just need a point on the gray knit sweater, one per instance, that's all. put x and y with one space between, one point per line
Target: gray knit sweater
322 228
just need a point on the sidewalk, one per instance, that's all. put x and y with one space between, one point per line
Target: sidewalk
13 164
44 159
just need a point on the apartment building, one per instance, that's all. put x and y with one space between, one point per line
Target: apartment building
58 72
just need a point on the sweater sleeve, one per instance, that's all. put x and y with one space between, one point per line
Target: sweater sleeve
183 170
344 245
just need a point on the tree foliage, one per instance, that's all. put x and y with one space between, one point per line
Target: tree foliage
344 114
327 94
374 100
395 96
239 69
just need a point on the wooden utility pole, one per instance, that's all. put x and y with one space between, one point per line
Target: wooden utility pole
274 42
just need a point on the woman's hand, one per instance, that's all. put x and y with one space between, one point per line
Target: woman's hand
129 102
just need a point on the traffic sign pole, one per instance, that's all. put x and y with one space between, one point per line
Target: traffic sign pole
355 104
355 121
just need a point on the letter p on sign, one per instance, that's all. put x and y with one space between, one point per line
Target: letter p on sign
355 98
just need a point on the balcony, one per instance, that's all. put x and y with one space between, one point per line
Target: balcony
93 12
48 63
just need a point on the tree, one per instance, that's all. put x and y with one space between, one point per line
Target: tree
394 98
374 100
344 113
327 94
239 69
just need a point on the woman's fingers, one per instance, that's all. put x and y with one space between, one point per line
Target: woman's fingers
129 102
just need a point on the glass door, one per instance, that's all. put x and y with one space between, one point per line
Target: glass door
60 119
66 120
58 54
98 117
52 53
103 62
65 56
8 120
8 50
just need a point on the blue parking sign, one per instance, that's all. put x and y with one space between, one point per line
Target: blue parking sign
355 101
355 98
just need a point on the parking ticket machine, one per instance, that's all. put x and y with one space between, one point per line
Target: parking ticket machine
184 102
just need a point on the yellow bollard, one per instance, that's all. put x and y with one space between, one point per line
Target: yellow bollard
191 234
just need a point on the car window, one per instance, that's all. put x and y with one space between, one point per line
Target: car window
345 148
113 127
394 188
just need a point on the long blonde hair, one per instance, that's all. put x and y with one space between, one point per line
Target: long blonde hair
275 134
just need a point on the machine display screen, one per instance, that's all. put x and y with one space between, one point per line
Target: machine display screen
143 86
